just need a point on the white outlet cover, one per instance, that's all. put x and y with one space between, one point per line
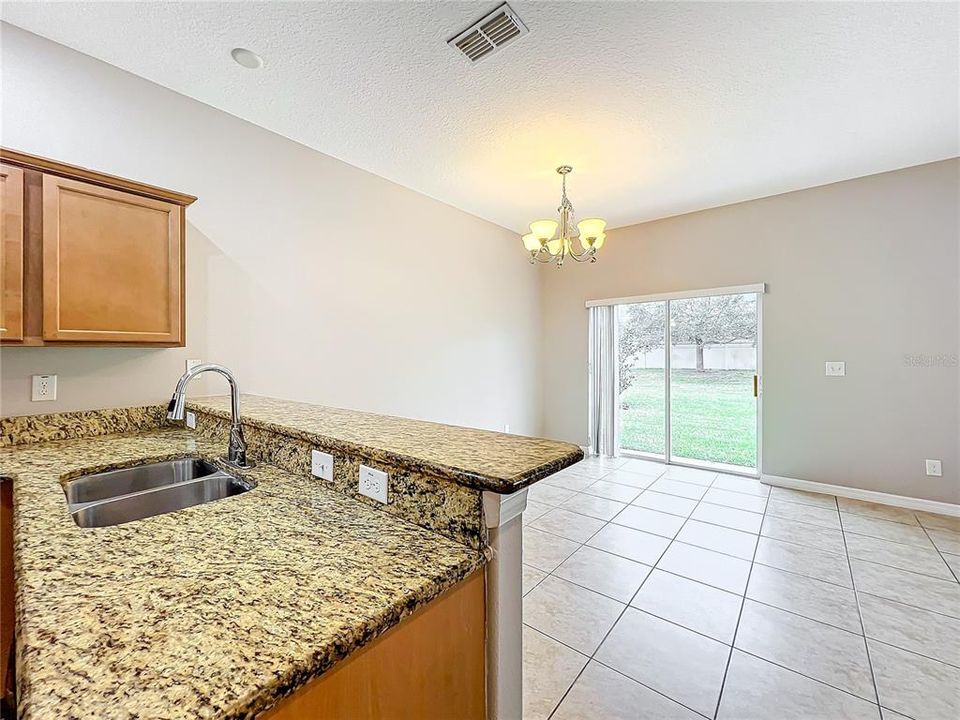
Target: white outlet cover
191 364
934 468
835 368
43 388
321 465
373 484
191 420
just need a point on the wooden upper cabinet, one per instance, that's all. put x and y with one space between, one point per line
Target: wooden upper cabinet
100 258
112 265
11 252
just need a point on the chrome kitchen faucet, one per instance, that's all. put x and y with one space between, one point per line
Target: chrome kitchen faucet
237 449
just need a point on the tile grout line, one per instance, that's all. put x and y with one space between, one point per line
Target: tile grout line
856 597
535 585
909 605
914 652
743 604
905 570
939 552
620 616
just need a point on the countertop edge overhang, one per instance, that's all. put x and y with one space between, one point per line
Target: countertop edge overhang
498 451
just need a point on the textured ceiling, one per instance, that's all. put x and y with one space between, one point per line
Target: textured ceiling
662 108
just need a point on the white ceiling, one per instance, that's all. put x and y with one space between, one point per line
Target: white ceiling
662 108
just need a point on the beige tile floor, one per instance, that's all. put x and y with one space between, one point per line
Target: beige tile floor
665 592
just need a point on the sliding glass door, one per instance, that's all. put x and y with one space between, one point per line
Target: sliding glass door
688 379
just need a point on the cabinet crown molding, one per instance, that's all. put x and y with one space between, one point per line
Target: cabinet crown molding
75 172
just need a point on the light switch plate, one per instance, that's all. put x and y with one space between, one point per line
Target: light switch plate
836 368
43 388
191 420
373 484
191 364
321 465
934 468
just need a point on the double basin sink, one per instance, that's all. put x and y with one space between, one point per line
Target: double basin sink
120 496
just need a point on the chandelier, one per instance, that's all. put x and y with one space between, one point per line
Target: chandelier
546 246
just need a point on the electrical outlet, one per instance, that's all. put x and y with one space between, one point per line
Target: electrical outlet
934 468
191 364
373 483
321 465
506 427
191 420
836 369
44 387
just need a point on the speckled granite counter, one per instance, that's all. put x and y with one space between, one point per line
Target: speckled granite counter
479 459
215 611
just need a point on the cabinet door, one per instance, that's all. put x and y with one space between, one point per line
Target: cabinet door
11 253
112 265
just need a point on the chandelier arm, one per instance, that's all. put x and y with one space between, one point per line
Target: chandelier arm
583 256
542 255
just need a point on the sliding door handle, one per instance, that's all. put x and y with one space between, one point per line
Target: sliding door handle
756 386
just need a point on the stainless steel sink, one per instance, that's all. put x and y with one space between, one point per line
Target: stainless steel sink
120 496
114 483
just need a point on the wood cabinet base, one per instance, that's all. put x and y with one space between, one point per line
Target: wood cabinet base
429 667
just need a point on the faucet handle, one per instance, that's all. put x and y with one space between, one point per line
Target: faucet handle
237 449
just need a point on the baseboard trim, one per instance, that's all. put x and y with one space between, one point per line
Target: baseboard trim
911 503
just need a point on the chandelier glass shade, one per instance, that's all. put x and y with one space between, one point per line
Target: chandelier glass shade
552 241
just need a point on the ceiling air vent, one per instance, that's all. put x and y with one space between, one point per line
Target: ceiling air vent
489 34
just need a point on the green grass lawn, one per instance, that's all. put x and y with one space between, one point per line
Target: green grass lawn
714 415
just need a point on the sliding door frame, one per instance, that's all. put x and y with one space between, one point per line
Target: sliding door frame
667 421
760 290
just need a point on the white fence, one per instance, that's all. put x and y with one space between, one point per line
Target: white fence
736 356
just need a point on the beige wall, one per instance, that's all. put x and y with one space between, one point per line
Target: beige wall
864 271
310 278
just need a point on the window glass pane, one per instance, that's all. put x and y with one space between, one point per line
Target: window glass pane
713 358
640 337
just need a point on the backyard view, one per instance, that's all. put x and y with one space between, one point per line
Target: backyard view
713 361
714 415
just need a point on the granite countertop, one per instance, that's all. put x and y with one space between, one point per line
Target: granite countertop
215 611
480 459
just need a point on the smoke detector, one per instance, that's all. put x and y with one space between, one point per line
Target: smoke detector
489 34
